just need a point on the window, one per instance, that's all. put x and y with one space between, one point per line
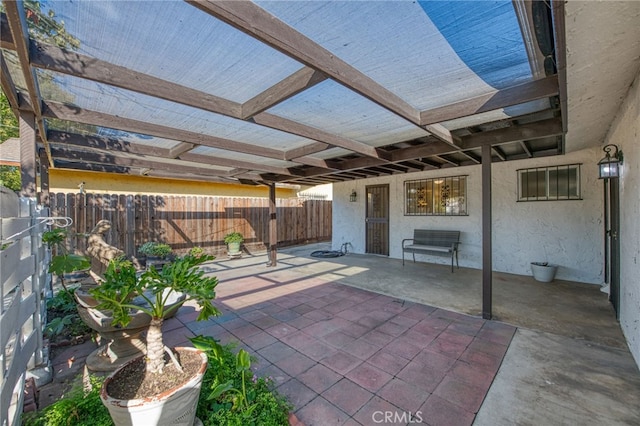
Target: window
549 183
436 197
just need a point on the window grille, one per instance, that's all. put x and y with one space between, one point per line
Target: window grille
445 196
549 183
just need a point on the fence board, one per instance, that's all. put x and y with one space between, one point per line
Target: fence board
187 221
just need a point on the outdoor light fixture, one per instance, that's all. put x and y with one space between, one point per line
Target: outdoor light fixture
609 166
353 197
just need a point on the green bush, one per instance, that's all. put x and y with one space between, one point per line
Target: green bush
247 400
153 248
232 395
79 407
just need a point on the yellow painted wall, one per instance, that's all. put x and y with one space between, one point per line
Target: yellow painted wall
110 183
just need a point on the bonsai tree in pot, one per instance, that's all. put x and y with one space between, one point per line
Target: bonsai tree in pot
233 241
156 288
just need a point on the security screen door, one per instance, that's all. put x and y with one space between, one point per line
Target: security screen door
377 219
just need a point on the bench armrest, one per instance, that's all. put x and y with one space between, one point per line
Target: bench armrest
405 240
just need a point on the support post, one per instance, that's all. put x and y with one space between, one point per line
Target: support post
28 154
43 195
487 263
273 227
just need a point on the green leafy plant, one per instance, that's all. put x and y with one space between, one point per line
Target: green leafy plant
63 262
63 318
83 407
63 301
233 237
57 325
79 407
153 248
196 251
156 288
236 396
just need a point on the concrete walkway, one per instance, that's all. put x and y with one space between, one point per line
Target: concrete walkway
362 340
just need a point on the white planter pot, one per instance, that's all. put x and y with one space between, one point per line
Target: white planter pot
543 272
173 407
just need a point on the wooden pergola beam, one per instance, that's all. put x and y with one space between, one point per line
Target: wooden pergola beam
77 65
285 89
251 19
522 93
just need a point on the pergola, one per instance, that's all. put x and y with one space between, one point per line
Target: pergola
298 92
302 92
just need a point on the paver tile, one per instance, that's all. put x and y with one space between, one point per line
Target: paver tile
369 376
361 349
319 378
379 411
341 362
439 412
388 362
297 393
276 351
421 376
348 396
403 348
274 373
260 340
295 364
320 412
462 394
403 395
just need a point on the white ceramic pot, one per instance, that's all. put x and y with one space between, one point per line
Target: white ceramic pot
173 407
543 272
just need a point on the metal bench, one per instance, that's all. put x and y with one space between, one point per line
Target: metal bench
430 241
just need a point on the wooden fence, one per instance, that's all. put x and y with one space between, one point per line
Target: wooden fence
23 283
188 221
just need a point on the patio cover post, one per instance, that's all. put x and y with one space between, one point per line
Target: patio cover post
487 264
273 226
28 154
43 195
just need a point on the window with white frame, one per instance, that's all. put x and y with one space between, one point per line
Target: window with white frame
445 196
549 183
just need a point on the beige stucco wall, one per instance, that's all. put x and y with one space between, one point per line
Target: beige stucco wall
625 132
110 183
566 233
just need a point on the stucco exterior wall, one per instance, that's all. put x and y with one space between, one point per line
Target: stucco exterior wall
625 133
566 233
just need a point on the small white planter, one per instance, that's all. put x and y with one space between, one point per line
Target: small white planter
174 407
543 271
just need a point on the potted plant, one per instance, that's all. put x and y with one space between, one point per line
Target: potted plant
233 241
543 271
155 250
150 390
123 343
65 265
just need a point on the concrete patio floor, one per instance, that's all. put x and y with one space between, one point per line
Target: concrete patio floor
363 340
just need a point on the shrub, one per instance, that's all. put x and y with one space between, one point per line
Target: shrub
79 407
153 248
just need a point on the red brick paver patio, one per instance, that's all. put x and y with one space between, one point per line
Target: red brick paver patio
348 356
